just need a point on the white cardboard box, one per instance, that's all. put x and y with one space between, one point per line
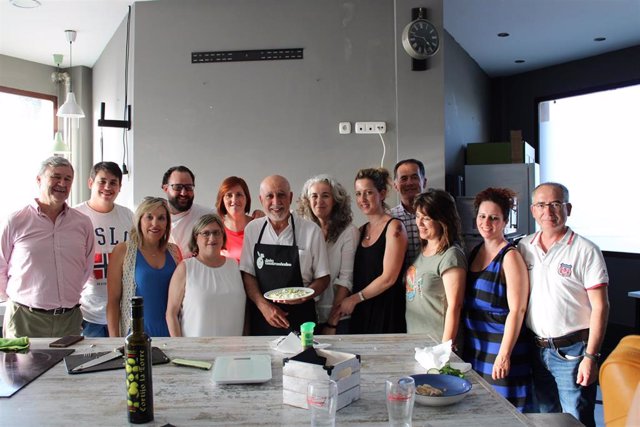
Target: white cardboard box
343 368
300 399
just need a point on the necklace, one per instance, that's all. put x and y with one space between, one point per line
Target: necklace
368 234
150 253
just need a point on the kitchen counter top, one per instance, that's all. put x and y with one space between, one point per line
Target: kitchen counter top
188 396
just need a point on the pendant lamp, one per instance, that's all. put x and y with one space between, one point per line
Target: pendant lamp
70 108
59 145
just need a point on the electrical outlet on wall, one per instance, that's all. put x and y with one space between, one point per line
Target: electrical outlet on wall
371 127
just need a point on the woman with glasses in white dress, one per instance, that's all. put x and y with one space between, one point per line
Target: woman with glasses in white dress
206 294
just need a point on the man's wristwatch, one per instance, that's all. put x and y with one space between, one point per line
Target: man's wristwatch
595 357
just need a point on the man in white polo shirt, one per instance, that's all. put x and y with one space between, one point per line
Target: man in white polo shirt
568 307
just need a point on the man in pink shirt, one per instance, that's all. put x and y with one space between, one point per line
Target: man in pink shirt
46 256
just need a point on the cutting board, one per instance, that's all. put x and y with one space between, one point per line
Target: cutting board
157 356
19 369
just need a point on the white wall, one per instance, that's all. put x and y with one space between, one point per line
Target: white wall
253 119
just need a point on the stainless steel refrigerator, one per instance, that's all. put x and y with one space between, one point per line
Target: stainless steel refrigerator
520 177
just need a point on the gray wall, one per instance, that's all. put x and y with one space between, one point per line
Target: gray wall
257 118
515 97
466 107
26 75
109 87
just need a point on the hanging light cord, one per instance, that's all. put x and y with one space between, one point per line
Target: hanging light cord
101 143
70 65
125 142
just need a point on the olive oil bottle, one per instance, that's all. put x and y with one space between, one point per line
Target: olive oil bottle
137 353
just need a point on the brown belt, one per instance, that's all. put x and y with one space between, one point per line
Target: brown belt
54 311
563 341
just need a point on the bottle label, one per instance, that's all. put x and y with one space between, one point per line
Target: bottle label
139 396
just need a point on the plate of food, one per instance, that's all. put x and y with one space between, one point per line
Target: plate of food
288 294
440 390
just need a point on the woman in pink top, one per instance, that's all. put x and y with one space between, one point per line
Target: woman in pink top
233 204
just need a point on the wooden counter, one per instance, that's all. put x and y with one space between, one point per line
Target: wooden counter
189 397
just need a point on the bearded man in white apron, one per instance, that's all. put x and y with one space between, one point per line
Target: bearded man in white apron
280 251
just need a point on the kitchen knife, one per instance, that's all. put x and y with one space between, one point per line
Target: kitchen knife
98 360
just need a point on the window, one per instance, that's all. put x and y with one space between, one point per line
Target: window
591 144
28 124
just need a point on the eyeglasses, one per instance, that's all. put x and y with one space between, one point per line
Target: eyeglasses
554 206
207 234
180 187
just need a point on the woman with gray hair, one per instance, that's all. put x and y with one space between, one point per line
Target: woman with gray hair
325 201
142 266
206 294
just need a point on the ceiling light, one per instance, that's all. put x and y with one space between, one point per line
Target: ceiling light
519 61
503 34
25 4
70 108
57 59
599 39
59 145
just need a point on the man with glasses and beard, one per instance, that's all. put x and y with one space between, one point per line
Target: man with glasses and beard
179 184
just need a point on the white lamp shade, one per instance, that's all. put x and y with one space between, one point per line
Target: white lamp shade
70 108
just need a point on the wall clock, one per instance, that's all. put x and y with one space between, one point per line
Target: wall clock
420 39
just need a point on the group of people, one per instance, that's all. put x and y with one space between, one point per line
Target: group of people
205 271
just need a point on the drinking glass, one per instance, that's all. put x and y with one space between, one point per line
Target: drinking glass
400 392
322 398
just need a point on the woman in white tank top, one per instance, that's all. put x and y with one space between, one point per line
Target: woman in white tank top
206 294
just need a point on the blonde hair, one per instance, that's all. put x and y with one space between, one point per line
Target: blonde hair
150 204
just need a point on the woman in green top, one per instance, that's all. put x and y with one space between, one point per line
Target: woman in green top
435 281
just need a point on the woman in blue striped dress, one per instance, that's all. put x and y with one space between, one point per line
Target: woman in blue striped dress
495 302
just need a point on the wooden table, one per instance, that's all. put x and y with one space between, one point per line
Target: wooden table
189 397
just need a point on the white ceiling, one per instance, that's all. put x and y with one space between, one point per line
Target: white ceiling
542 32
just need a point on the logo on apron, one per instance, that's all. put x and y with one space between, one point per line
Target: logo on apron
260 260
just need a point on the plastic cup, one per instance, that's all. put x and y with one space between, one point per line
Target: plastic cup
401 393
322 398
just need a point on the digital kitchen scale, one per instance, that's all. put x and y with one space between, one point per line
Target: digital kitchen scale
242 369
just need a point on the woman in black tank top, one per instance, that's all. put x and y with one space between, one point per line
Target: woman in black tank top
377 304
